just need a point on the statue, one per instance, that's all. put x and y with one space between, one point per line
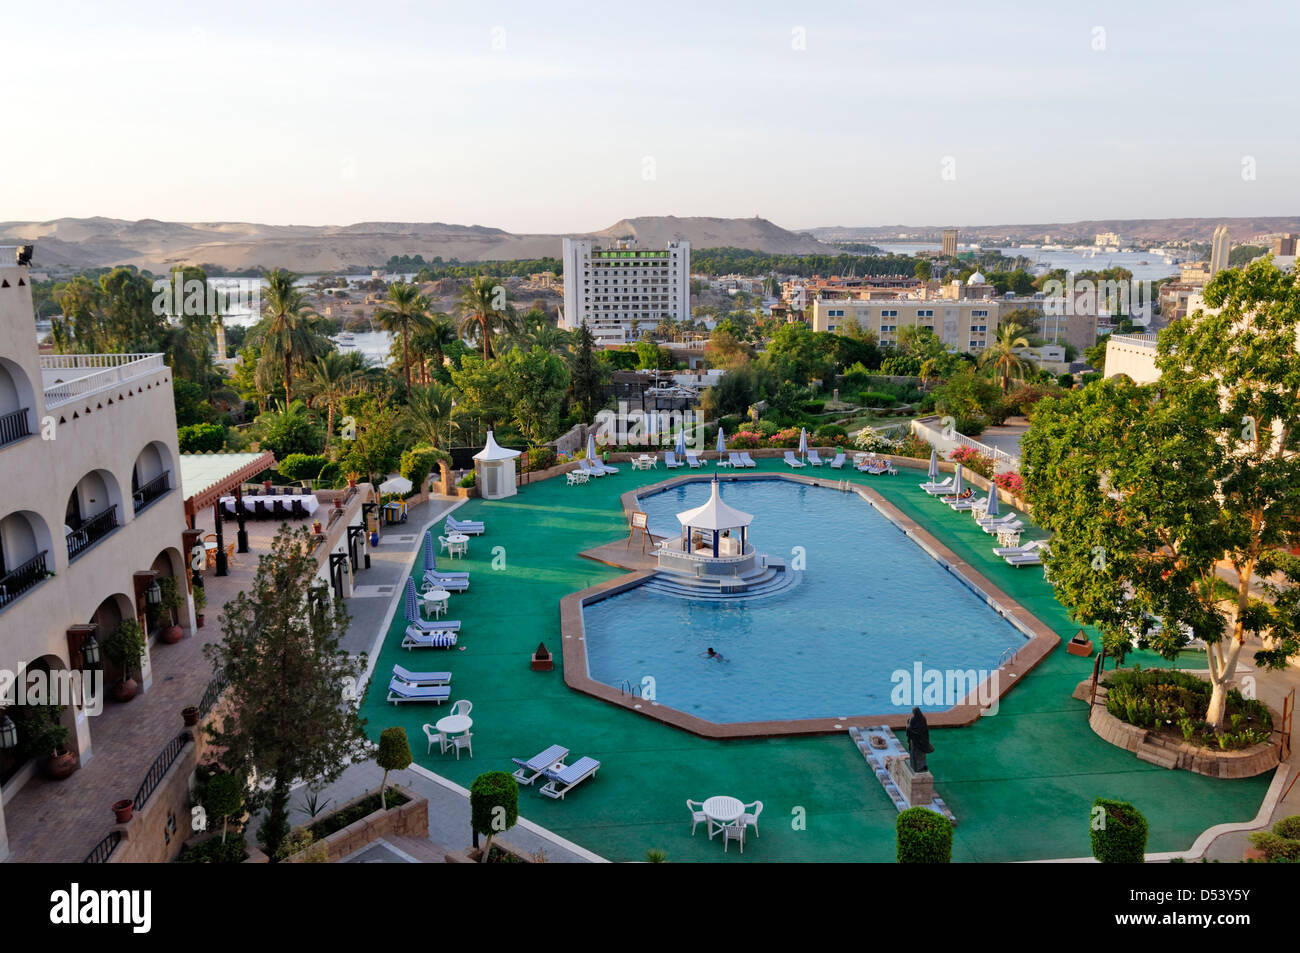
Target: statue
918 740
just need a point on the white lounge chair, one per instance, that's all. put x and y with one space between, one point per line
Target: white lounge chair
1010 526
792 461
589 468
603 466
671 461
733 461
421 678
565 779
746 460
814 459
995 521
838 462
415 639
1028 547
399 691
532 769
1025 559
969 503
468 527
692 460
938 489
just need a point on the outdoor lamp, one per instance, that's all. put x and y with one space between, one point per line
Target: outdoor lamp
153 595
8 733
90 651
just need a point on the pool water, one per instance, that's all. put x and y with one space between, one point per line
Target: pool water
871 603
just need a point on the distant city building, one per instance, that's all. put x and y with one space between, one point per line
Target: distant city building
1107 240
950 241
1219 249
621 292
961 324
1285 245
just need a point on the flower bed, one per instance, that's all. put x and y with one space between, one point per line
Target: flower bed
1013 483
972 459
1174 703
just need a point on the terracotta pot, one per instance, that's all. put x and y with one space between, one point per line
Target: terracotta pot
190 716
125 690
199 620
60 766
123 809
315 527
172 634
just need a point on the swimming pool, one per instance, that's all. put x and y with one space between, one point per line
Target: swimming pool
871 603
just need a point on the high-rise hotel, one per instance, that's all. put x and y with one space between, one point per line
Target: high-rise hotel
622 291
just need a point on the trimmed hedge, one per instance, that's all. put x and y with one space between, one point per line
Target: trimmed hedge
924 837
491 793
302 466
1122 838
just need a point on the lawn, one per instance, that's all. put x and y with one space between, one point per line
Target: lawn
1020 783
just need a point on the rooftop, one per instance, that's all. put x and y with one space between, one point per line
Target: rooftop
67 377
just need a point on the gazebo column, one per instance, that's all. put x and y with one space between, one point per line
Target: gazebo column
242 535
715 544
221 543
742 540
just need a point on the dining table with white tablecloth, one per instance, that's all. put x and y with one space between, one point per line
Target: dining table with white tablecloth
308 501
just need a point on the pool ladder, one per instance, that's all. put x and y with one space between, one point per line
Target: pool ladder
626 687
1007 655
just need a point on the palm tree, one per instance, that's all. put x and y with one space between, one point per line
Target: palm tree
483 303
1002 358
431 343
289 334
428 416
406 310
329 380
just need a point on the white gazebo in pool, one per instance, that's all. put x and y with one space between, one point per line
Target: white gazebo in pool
713 541
496 464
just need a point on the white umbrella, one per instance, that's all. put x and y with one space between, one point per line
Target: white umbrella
803 441
934 465
993 501
591 446
722 443
398 484
681 442
957 486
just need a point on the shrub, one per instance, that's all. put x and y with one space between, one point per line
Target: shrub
832 433
302 466
340 819
924 837
1119 834
913 446
215 851
330 476
467 480
418 462
768 428
876 398
394 755
1012 482
814 407
789 438
223 798
868 439
1288 827
745 440
540 458
1066 381
201 438
972 459
1277 849
493 805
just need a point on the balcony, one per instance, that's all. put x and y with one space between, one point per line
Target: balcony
27 576
158 486
14 426
91 531
69 377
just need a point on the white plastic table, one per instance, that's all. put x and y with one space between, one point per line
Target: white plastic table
435 600
721 810
458 540
454 724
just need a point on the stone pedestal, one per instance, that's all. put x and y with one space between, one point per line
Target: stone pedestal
917 788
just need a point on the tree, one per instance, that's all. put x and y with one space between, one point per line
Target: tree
428 415
494 806
587 375
482 386
1001 356
923 269
376 447
289 716
329 380
483 307
287 332
224 798
1170 480
432 342
795 354
288 431
404 311
394 755
536 381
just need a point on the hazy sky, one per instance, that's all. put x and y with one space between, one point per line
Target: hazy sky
555 116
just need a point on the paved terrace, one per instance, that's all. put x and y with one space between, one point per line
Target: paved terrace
1020 783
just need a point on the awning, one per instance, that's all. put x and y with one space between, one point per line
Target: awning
206 477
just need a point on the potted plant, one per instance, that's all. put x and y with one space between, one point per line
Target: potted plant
47 737
123 809
200 600
171 601
190 714
125 648
353 477
316 527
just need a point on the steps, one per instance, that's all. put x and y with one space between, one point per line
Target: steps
768 581
1153 751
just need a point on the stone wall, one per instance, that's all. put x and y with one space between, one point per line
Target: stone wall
406 820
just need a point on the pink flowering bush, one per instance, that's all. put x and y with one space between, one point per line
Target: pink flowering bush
745 440
1013 483
972 459
789 437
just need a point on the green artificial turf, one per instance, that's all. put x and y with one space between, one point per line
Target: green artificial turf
1021 783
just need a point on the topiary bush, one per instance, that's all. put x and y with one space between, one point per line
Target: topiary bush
494 805
924 837
1288 827
832 433
1118 832
394 755
1277 849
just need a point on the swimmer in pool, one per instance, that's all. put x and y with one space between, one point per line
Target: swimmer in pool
713 655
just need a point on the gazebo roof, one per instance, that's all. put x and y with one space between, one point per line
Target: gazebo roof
206 477
494 451
715 514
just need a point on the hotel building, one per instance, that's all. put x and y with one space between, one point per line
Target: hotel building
962 324
622 292
92 516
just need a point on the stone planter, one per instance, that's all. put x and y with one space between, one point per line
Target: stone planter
405 820
190 715
542 660
60 767
474 855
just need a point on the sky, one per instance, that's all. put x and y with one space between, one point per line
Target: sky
559 117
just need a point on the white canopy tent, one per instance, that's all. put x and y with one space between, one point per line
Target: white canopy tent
497 464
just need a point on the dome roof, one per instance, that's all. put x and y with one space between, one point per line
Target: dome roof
976 279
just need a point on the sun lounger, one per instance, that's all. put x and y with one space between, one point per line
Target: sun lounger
938 489
671 461
692 460
1025 559
532 769
567 778
421 678
733 460
969 503
1010 526
603 467
1028 547
468 527
416 639
1003 520
399 691
452 583
589 468
746 460
814 459
792 461
434 625
838 462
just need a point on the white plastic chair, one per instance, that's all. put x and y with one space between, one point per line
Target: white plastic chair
463 741
462 707
734 831
698 816
433 734
750 818
445 543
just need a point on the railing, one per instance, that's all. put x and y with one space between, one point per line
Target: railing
155 488
14 426
998 455
22 578
929 424
216 685
1137 340
94 529
117 368
159 768
104 849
